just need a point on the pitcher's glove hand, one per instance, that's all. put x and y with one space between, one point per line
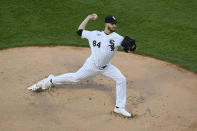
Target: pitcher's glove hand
128 44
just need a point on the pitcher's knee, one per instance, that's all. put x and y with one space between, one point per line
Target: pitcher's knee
122 80
75 78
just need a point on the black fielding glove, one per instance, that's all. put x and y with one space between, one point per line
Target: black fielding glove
128 44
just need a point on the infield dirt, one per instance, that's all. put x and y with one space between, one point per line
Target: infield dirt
162 95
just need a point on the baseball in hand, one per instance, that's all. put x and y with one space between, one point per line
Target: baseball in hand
93 16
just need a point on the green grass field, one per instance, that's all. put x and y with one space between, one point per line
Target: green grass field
164 29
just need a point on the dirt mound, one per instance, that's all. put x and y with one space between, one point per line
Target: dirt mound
163 96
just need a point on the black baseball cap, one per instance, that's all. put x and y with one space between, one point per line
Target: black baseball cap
110 19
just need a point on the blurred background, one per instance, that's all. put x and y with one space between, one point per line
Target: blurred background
163 29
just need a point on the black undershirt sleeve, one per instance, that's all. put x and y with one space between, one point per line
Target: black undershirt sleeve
79 32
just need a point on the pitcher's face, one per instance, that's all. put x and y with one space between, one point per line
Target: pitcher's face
111 27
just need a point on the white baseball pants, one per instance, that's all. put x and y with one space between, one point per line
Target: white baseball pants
89 69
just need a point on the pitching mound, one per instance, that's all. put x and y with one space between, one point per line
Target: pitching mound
162 95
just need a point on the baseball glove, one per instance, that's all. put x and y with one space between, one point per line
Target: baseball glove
128 44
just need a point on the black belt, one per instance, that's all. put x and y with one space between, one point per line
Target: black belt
102 67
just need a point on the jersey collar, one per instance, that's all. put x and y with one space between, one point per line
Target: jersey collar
107 34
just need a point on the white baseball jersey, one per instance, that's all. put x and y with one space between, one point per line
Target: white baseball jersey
103 46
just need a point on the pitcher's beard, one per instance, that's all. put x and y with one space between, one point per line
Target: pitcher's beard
111 30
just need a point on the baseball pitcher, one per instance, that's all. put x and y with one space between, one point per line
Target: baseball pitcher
104 45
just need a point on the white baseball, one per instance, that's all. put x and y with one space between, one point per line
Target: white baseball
95 16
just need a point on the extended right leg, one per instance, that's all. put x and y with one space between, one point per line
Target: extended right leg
87 70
